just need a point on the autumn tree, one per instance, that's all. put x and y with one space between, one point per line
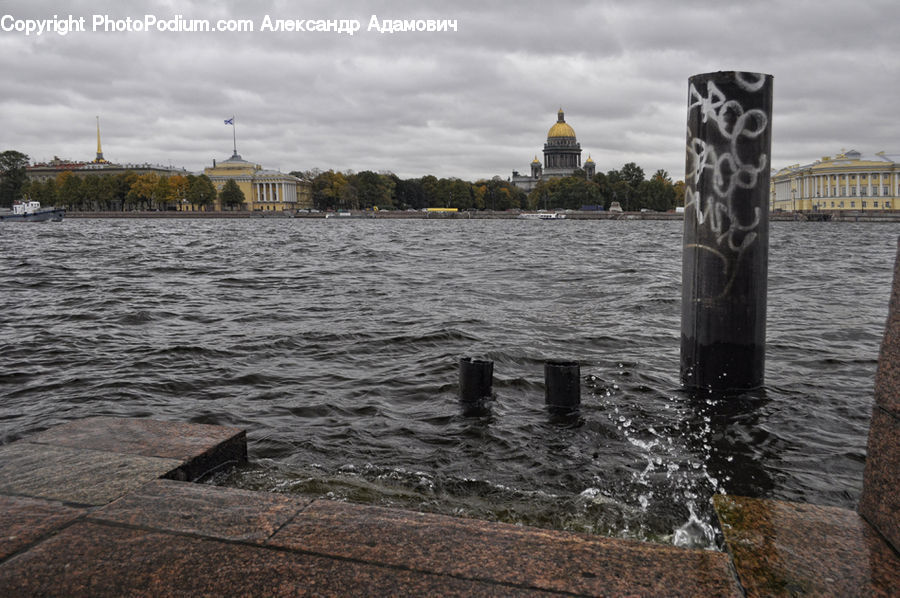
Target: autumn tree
497 194
146 191
177 190
326 190
679 193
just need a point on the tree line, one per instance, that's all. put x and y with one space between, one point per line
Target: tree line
334 190
125 191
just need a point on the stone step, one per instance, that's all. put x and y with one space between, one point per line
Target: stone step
795 549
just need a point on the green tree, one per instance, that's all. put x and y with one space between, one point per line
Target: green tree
658 193
69 190
430 191
565 193
42 191
201 193
231 195
90 192
119 186
410 194
632 174
12 176
621 192
373 189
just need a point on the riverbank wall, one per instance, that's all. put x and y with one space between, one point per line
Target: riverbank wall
875 217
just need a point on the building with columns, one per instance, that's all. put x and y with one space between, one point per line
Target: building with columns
846 181
264 190
562 157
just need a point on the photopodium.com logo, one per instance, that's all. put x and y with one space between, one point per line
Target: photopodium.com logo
63 26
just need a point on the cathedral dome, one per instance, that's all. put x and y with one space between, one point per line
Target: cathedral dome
561 128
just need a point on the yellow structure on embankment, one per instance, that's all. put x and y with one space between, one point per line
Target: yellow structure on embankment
264 190
847 181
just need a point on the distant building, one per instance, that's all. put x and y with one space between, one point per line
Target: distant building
264 190
562 157
847 181
50 170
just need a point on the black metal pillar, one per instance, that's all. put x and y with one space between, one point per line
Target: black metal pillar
726 231
476 379
562 385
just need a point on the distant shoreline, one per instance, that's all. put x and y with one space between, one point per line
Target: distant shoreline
483 215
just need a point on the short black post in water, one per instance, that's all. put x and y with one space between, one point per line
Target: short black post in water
562 384
726 231
476 379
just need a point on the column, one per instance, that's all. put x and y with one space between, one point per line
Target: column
726 232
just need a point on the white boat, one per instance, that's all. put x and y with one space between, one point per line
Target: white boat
31 211
541 216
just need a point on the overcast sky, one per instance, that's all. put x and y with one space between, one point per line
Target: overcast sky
473 103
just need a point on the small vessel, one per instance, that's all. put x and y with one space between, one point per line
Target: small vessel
344 215
31 211
541 216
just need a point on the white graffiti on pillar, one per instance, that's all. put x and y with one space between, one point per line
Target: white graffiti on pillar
715 207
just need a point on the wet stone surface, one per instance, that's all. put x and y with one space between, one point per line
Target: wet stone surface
24 521
545 559
793 549
880 500
200 447
91 559
238 515
76 476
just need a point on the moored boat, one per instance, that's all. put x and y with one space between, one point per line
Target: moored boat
31 211
541 216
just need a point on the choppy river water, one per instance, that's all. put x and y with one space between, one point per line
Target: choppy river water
335 344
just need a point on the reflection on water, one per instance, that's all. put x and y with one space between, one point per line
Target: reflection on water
336 345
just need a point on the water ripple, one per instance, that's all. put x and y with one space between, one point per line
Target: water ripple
336 345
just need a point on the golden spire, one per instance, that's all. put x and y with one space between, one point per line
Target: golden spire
99 157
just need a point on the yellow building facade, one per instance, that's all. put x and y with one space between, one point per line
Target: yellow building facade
847 181
264 190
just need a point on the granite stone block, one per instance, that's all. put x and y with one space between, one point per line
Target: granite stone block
887 380
794 549
75 476
503 553
25 520
91 559
199 447
226 513
880 500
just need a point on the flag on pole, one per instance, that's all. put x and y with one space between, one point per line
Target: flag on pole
229 121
